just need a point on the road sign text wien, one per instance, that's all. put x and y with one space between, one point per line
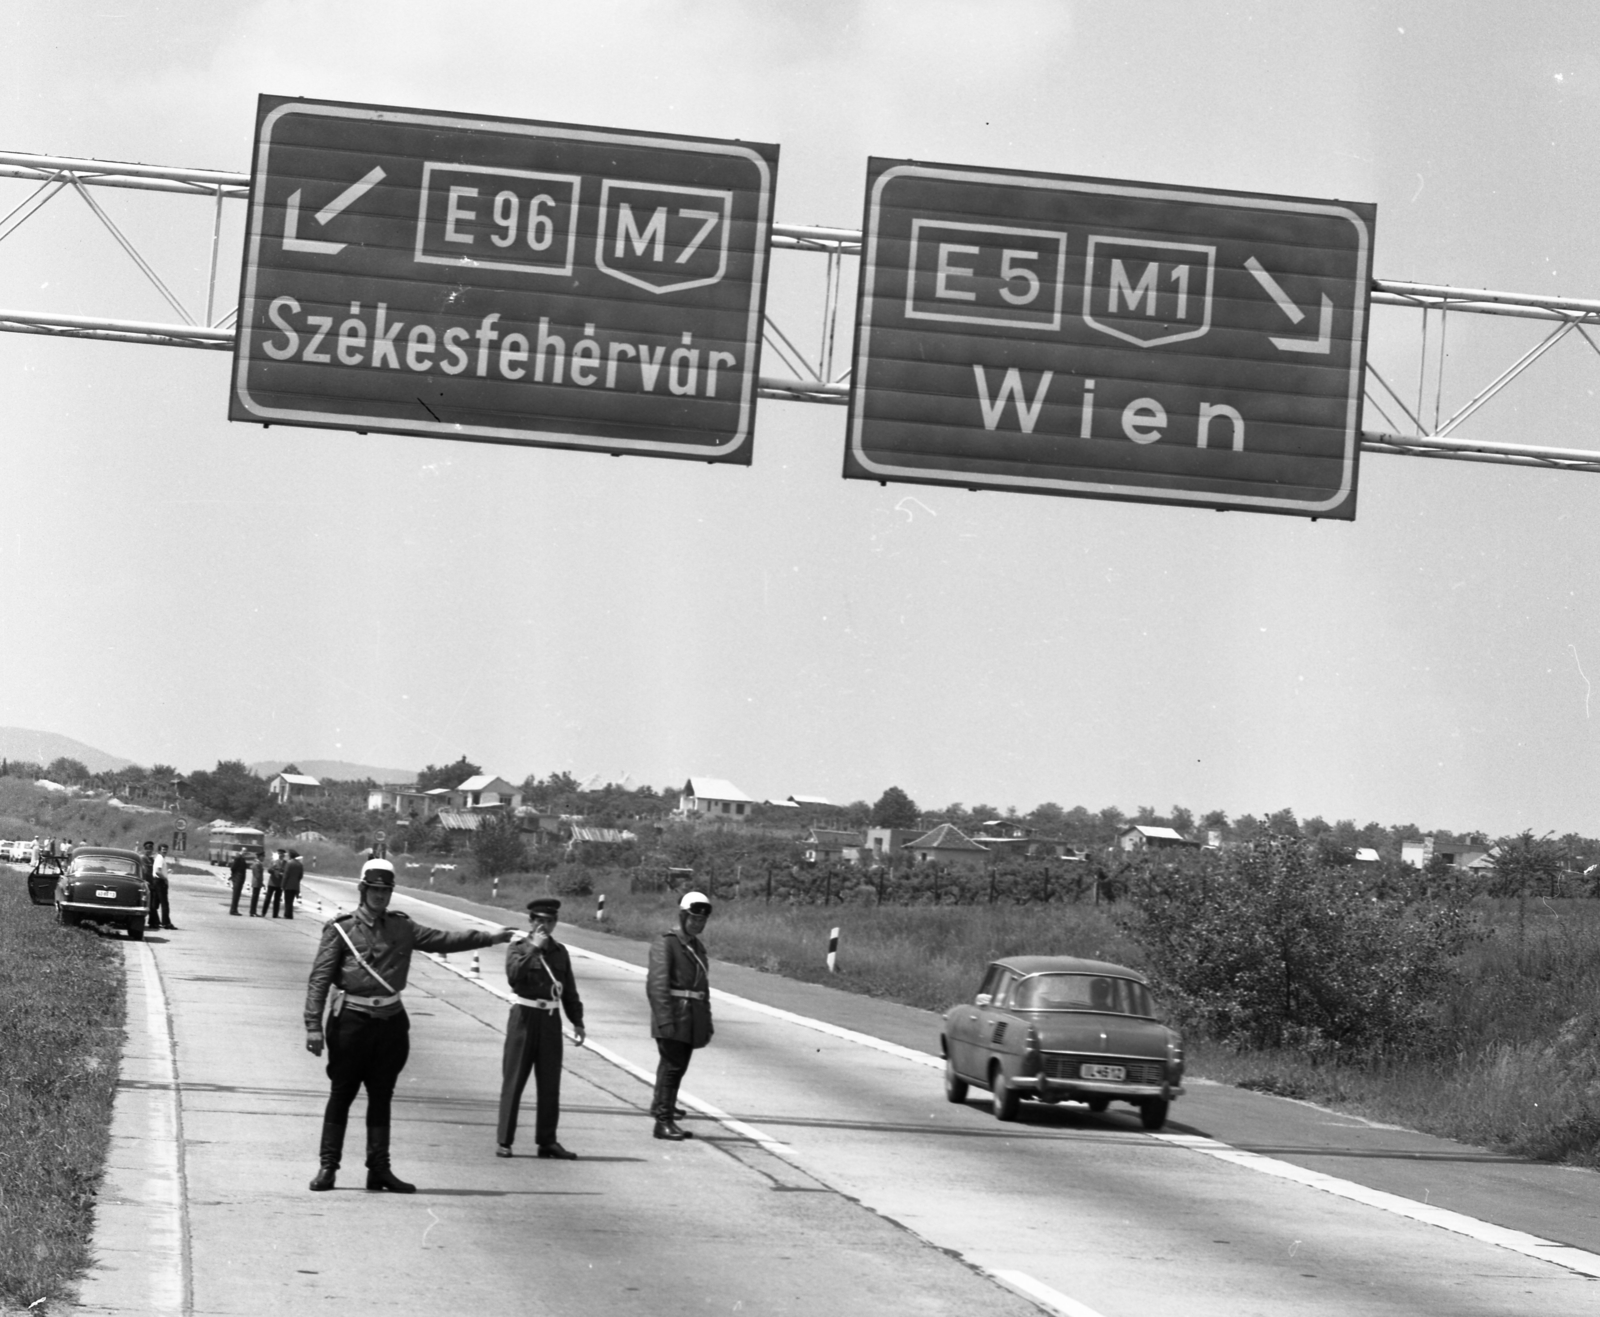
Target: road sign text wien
1082 336
503 280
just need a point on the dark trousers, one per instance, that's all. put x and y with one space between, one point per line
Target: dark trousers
255 895
288 904
160 911
238 891
370 1050
533 1046
271 901
670 1069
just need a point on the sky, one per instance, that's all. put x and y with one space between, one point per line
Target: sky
184 589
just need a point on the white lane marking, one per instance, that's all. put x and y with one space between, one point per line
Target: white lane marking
1041 1294
1545 1250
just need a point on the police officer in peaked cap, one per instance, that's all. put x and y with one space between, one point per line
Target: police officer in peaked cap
363 960
540 973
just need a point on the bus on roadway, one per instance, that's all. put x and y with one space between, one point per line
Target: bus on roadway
228 841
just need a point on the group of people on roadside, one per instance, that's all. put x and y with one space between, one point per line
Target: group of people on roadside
359 975
273 886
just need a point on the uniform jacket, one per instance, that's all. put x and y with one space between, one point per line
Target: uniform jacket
679 961
275 874
293 872
529 977
237 868
387 944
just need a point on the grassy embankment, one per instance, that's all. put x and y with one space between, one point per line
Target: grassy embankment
1517 1065
61 1013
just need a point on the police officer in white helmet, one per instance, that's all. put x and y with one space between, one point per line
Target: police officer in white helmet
678 985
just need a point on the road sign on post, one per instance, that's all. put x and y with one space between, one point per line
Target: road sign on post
1060 335
503 280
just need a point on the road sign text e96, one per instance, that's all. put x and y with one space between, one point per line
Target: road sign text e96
1079 336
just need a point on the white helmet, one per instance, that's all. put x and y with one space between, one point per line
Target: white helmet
692 899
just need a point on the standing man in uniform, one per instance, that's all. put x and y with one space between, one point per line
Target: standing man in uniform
274 897
365 956
540 973
258 871
293 872
678 985
237 868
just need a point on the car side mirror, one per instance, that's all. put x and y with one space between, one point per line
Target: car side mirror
982 999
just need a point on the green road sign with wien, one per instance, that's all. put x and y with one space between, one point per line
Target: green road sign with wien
1059 335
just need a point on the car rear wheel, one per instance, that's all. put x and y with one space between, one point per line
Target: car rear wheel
136 931
67 917
955 1087
1153 1113
1098 1103
1007 1101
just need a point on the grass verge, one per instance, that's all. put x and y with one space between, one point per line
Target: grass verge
61 1013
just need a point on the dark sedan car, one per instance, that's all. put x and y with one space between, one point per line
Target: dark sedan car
1059 1028
104 885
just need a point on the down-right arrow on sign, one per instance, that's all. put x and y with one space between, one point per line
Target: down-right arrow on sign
1061 335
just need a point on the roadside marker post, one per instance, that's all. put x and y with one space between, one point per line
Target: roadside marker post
600 911
833 951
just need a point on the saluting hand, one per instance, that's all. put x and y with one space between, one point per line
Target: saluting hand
314 1041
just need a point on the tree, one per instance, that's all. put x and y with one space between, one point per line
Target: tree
447 775
497 844
1268 946
70 772
1182 820
1049 816
1526 866
895 809
230 790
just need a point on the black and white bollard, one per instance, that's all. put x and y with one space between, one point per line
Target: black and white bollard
494 890
600 909
476 972
833 951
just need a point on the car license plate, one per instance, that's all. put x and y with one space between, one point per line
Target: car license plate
105 895
1103 1072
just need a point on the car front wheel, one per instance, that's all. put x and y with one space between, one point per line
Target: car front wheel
1153 1113
1006 1099
1098 1103
955 1087
136 932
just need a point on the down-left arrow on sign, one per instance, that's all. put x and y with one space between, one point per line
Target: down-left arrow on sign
293 242
1320 346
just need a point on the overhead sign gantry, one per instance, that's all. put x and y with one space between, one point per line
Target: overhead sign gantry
503 280
1062 335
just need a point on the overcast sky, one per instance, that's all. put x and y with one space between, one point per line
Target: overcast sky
183 589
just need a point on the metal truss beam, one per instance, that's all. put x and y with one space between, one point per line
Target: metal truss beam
814 380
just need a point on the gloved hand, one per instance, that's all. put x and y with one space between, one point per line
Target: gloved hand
314 1041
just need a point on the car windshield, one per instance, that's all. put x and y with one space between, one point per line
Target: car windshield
1082 992
120 866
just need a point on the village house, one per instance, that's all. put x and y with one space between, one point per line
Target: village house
485 791
947 844
287 787
712 797
883 844
1147 836
825 844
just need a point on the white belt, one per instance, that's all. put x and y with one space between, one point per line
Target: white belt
350 1000
685 992
538 1003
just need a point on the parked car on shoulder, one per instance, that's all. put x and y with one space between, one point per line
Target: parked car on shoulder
1059 1028
99 884
5 851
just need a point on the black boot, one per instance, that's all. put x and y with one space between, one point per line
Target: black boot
379 1176
668 1129
328 1154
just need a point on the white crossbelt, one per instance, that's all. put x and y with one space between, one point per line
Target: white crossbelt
538 1003
350 1000
685 992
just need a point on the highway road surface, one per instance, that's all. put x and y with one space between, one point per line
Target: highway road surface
828 1173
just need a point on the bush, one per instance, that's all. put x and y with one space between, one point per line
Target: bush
1268 946
571 879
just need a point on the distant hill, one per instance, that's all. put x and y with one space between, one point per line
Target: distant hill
46 747
336 770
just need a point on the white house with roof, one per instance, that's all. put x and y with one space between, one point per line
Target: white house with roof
286 787
713 797
1149 836
485 791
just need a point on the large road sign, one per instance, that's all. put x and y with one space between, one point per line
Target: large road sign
503 280
1062 335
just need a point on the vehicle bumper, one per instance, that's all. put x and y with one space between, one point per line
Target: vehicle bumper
100 910
1038 1086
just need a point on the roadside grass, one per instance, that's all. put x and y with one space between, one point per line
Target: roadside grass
61 1015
